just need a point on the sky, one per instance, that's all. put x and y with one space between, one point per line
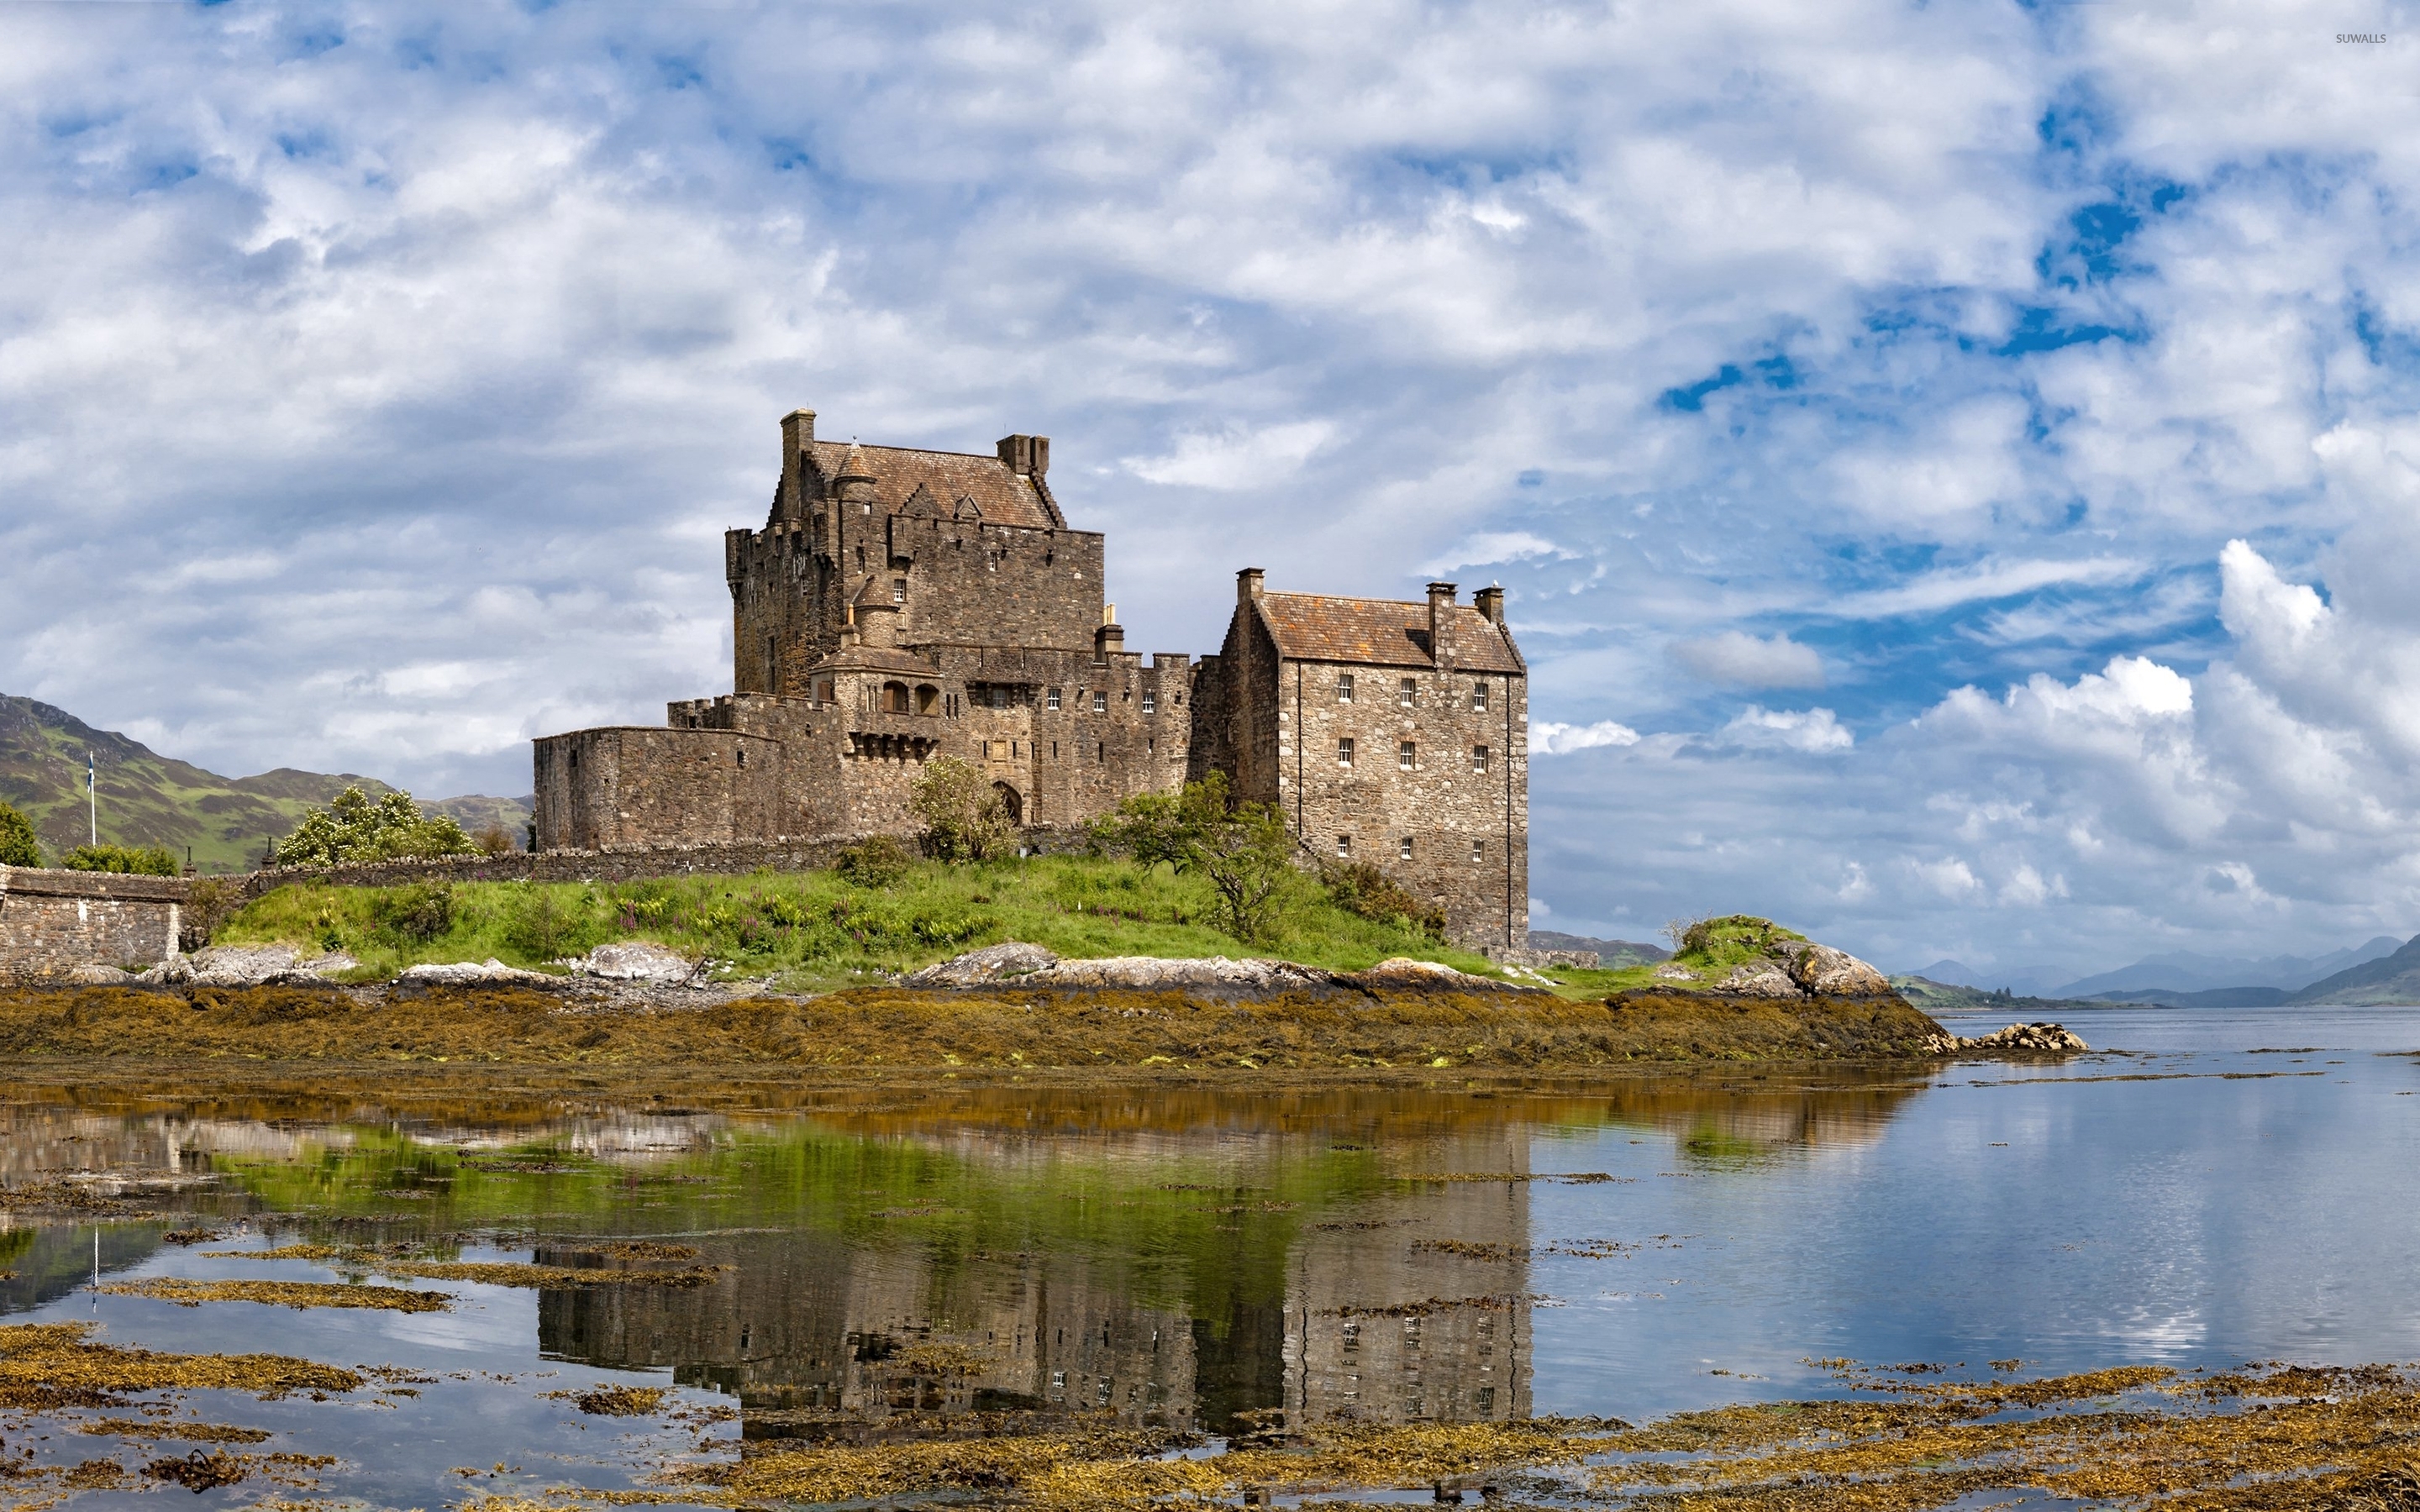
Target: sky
1952 466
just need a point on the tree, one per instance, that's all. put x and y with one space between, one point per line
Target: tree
1243 850
144 861
965 818
356 828
1150 827
19 844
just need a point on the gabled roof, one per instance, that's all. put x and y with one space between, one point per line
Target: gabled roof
1381 632
946 479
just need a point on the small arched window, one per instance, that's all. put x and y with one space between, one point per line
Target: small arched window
894 697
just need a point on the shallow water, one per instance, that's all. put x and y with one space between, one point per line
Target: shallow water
901 1260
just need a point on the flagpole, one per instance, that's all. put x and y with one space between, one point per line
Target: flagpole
92 802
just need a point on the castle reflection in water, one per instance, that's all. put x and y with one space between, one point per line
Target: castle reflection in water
985 1260
1415 1308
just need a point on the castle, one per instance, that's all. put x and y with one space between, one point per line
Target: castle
900 605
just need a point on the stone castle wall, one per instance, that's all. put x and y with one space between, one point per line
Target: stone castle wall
52 922
1449 831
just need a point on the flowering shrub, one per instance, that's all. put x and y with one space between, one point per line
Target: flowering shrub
357 828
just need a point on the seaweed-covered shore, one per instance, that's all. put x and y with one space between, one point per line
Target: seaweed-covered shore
892 1028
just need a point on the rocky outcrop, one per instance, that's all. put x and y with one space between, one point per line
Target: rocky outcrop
1821 970
636 961
2017 1038
247 965
488 973
1015 963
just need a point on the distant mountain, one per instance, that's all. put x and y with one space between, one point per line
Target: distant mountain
150 799
2214 997
2392 979
2184 971
1936 997
2033 980
1609 953
478 812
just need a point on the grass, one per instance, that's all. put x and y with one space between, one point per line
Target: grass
813 930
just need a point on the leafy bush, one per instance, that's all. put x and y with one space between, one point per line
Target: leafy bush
543 924
416 914
356 828
965 818
211 903
495 840
1360 887
19 844
1726 940
144 861
1243 850
1150 828
877 861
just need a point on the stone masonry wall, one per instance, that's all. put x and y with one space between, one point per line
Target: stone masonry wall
1434 820
51 922
632 784
997 585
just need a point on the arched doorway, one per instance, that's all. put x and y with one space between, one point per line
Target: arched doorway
1010 803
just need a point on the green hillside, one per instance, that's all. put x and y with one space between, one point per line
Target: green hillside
150 799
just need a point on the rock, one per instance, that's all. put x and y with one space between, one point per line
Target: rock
1008 960
246 966
1675 974
1826 972
1015 963
1403 973
1150 972
101 976
633 961
465 973
1760 979
2032 1039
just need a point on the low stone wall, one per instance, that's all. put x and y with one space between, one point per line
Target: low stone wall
1521 955
629 863
52 922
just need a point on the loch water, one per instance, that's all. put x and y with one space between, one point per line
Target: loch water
2205 1188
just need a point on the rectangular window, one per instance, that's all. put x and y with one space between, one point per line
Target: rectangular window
899 590
1344 688
1343 844
1407 755
1409 694
1344 751
1477 850
1100 703
1150 701
1054 698
1404 850
1479 696
1479 757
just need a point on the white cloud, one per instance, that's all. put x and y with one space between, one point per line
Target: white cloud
1738 659
1950 877
1933 591
1816 731
1492 546
1549 738
1235 459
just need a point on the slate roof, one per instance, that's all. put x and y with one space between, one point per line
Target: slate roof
900 473
1380 632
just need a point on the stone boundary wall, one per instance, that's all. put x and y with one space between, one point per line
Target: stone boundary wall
1521 955
630 863
54 921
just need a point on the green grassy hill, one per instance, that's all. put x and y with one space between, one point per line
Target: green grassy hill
150 799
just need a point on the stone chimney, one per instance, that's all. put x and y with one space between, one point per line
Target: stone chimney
1441 638
1028 457
798 430
1110 637
1248 586
1490 602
